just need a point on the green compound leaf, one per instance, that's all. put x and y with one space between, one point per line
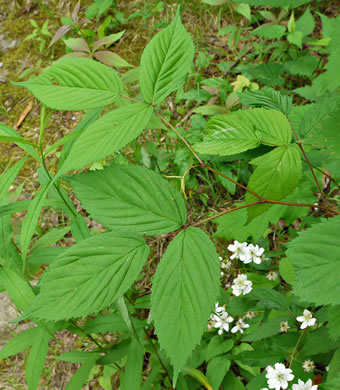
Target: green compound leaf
165 62
315 255
229 134
75 84
276 176
131 198
184 291
107 135
89 276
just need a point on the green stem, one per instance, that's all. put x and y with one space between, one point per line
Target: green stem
261 199
299 143
157 354
296 347
42 131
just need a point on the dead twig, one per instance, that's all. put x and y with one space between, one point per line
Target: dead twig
24 115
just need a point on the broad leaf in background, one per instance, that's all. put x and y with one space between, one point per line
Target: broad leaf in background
316 116
302 66
305 23
36 359
19 343
276 175
131 198
328 81
82 374
315 255
18 288
75 84
334 322
107 135
229 134
269 32
326 135
234 226
134 367
165 62
184 291
268 98
90 276
268 73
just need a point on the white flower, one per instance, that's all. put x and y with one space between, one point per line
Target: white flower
327 368
278 376
308 366
272 275
240 251
222 322
284 326
306 319
219 309
225 264
250 315
305 386
240 325
241 285
255 253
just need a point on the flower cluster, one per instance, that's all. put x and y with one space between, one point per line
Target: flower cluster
246 253
222 320
279 376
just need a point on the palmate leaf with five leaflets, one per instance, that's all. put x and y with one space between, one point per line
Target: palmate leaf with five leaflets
184 291
165 62
315 255
89 276
75 84
131 198
276 175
